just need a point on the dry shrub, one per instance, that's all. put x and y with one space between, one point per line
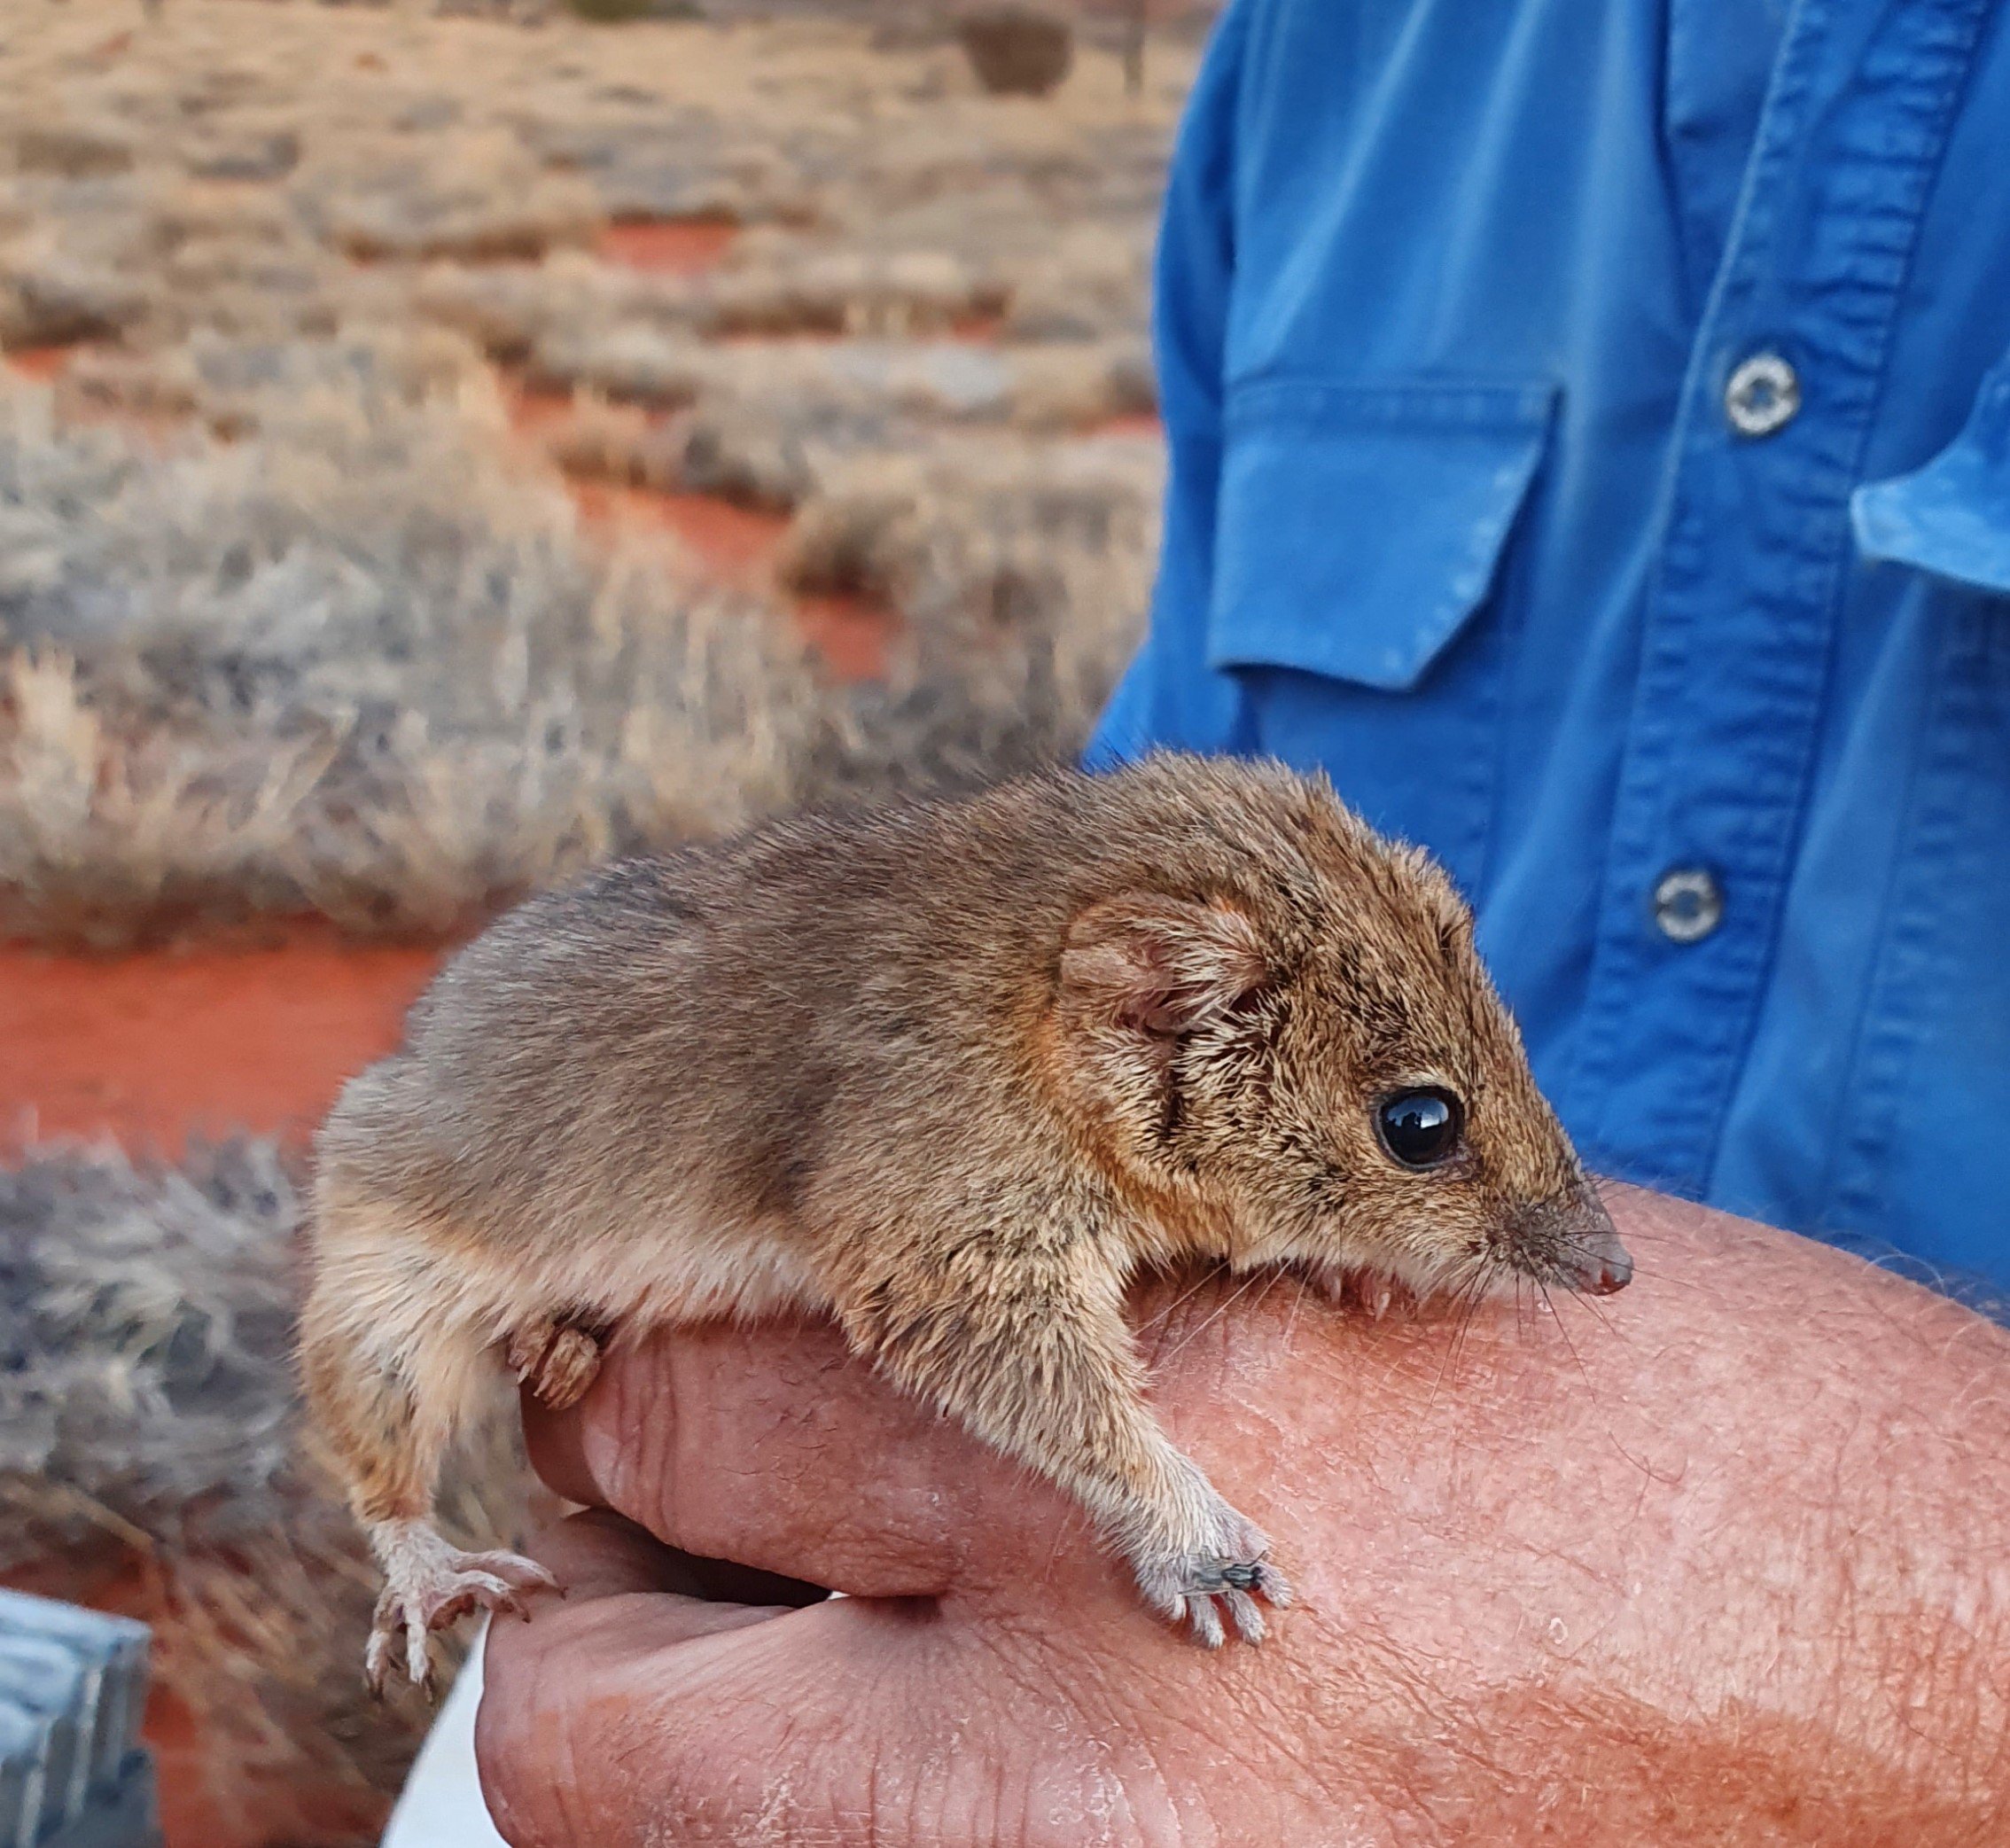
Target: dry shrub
759 455
645 364
1086 282
356 663
508 308
595 440
245 148
1021 577
764 289
75 150
295 633
96 837
1081 385
477 197
1016 51
872 385
50 294
608 12
777 286
765 425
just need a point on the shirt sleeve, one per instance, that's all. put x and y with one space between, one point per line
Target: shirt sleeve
1168 697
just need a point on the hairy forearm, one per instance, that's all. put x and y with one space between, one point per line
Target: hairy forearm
1737 1541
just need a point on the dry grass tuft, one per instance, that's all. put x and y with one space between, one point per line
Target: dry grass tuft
1023 575
354 663
148 1419
1018 50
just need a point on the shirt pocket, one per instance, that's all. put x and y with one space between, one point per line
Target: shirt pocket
1360 529
1952 516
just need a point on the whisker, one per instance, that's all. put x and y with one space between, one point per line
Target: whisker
1598 1309
1647 1236
1471 1319
1466 1297
1477 1297
1563 1331
1297 1303
1211 1275
1445 1360
1266 1278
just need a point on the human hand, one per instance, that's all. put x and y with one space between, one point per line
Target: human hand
1721 1561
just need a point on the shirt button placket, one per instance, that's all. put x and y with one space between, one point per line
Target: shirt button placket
1739 618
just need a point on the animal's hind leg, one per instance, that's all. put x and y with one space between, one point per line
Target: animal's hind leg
556 1359
386 1391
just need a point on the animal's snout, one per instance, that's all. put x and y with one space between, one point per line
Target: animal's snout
1589 1253
1572 1242
1599 1272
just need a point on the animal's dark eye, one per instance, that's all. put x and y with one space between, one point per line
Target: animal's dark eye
1421 1128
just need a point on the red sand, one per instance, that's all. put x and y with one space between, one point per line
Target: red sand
152 1049
667 246
40 364
739 546
736 544
851 633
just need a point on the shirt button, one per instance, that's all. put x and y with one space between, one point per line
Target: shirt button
1688 904
1763 395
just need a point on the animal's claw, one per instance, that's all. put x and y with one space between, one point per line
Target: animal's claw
1200 1589
430 1585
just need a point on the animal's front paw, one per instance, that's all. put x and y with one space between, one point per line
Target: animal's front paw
1197 1588
430 1585
557 1360
1371 1292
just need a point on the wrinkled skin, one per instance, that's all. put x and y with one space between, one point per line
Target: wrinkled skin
1734 1572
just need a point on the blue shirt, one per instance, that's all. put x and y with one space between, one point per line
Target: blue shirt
1590 438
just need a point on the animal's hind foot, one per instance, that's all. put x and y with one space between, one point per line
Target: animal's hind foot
430 1585
557 1360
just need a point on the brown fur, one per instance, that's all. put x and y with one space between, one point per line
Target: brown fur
952 1072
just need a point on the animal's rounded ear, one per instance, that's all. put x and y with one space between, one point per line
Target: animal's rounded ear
1161 965
1450 915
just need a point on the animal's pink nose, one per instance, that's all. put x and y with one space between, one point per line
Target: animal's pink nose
1594 1261
1603 1276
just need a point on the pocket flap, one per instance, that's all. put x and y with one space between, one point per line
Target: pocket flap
1358 525
1951 517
